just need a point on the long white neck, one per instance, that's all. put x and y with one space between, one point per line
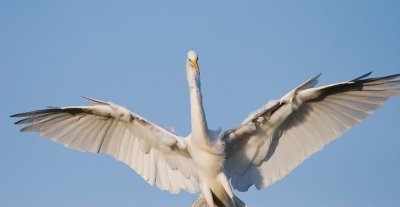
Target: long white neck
199 123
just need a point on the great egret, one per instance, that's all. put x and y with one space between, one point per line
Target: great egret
264 148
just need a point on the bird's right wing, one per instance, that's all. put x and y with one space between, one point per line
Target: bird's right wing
277 138
159 156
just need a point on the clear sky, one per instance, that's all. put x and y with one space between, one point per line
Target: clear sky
133 53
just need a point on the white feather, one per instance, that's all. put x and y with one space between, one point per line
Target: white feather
267 145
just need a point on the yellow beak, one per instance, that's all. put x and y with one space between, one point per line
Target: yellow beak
195 65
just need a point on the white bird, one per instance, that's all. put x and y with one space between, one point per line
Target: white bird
269 144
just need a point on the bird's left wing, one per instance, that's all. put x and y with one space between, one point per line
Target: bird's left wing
274 140
159 156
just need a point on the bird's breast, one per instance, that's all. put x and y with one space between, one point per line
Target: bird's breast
207 157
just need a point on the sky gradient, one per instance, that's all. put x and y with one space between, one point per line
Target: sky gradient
133 53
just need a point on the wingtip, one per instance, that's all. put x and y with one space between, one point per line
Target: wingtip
363 76
25 129
19 115
17 122
316 77
309 84
87 98
391 77
94 101
386 78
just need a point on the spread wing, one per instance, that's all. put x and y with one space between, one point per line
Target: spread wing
159 156
277 138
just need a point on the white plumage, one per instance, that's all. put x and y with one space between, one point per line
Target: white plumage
267 145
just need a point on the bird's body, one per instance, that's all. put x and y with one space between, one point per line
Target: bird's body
269 144
206 148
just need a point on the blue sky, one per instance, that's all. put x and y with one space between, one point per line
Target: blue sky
133 53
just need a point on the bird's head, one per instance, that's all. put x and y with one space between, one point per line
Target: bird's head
191 63
192 70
